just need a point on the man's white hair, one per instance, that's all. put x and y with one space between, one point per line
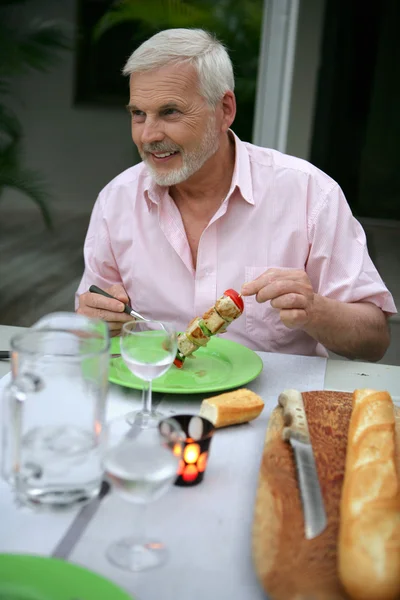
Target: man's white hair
191 46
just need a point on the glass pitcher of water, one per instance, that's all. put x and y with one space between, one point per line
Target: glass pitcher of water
54 410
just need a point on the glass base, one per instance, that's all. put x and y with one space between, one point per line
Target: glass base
145 419
56 499
130 555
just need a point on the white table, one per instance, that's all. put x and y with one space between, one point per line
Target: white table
207 527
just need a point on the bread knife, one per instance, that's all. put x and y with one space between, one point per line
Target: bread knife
296 432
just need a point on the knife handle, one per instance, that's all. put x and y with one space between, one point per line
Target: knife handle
96 290
294 416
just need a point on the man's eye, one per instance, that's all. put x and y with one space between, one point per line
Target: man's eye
171 111
137 115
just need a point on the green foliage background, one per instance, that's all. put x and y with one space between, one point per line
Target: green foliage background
22 48
235 23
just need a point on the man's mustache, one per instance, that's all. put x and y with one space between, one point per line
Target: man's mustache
160 147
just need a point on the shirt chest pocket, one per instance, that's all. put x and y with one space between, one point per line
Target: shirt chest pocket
263 323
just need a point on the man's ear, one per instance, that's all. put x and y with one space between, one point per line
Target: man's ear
228 106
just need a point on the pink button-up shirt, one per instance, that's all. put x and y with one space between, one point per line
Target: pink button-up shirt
280 211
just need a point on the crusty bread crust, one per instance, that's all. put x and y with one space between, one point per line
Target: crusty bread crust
369 538
232 408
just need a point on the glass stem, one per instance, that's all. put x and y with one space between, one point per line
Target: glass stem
147 402
140 525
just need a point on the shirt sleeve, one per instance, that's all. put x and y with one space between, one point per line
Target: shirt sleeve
100 265
338 264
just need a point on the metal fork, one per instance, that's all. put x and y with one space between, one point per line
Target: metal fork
127 308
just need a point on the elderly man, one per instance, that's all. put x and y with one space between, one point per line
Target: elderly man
205 211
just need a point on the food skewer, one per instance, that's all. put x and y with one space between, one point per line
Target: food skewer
215 320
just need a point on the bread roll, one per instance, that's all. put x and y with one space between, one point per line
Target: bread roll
369 536
232 408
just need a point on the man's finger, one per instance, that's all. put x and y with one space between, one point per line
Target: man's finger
283 287
103 303
270 276
297 274
115 332
289 301
253 287
293 318
104 315
119 292
115 326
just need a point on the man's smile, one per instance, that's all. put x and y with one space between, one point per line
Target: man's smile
163 156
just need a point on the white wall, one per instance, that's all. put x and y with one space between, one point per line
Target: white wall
305 74
77 149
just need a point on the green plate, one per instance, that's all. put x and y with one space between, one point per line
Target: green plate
221 365
28 577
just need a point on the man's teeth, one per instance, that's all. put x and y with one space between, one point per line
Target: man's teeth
163 155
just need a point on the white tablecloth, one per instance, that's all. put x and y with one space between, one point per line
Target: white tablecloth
207 527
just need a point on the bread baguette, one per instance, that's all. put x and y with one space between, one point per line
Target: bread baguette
369 536
232 408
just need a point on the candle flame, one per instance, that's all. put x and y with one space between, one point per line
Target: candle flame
191 453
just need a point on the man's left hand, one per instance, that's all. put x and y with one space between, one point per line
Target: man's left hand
290 292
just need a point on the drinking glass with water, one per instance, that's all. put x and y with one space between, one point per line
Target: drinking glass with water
53 411
148 348
141 463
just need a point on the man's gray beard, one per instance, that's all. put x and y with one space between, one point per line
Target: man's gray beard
192 161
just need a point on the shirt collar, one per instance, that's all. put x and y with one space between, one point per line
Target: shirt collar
241 177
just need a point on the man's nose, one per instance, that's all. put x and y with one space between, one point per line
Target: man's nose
152 132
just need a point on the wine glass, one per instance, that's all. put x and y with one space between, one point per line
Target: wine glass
141 464
148 348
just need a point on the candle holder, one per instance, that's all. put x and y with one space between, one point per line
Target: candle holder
193 463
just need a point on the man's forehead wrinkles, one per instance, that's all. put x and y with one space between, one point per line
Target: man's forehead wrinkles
176 83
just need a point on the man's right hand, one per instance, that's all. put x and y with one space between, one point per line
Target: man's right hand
106 309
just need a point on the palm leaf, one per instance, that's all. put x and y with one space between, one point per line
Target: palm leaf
160 14
27 181
4 88
39 42
10 127
35 47
31 184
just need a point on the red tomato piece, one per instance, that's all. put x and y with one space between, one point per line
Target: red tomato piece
236 298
